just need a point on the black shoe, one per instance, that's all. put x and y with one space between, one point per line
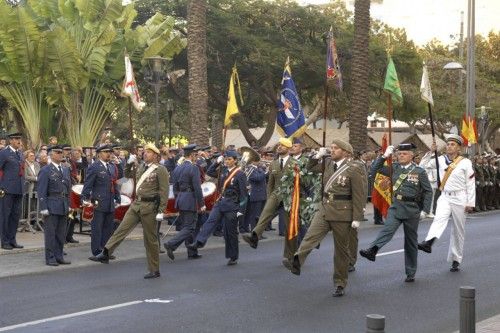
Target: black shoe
378 223
72 240
287 263
370 253
410 278
455 266
103 257
351 268
426 246
195 256
251 239
63 262
52 263
112 257
17 246
170 251
295 266
218 234
152 275
194 246
7 247
339 292
232 262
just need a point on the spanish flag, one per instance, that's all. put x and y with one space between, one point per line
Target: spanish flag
293 225
381 194
469 130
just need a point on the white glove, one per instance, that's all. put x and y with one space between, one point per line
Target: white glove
220 159
204 208
239 214
321 152
355 224
117 205
132 159
86 203
389 151
423 215
159 217
45 212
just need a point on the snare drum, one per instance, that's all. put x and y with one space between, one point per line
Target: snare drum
209 194
171 201
122 208
75 196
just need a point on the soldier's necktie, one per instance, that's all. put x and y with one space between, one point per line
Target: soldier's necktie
60 170
281 163
335 167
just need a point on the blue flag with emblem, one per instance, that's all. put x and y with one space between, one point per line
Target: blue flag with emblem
290 118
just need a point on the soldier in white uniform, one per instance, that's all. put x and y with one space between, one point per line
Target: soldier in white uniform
458 196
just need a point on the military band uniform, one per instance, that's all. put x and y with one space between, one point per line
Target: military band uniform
257 195
232 201
11 189
188 200
151 198
345 195
54 184
410 197
100 189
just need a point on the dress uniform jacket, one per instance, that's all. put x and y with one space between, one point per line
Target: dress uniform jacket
12 167
234 197
53 189
257 184
187 187
100 187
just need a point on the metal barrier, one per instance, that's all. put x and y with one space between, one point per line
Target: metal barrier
467 309
30 210
375 323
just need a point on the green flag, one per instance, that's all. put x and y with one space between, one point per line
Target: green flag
391 84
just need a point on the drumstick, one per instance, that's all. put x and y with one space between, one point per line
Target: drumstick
173 223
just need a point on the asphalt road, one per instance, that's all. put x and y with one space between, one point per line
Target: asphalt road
259 294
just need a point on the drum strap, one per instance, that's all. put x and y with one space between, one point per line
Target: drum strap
145 175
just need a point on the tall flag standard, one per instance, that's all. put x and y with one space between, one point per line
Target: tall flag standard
130 86
332 61
381 193
290 118
425 87
391 84
469 130
232 106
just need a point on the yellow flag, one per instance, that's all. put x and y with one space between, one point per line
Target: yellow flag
232 106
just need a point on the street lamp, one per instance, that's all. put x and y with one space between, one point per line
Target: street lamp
156 76
170 110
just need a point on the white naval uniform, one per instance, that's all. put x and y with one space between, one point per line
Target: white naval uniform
459 192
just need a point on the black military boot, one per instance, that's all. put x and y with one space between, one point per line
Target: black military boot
251 239
369 253
103 257
455 266
295 266
426 246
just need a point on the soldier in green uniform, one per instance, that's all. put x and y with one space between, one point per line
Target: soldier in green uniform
150 201
487 183
493 183
341 211
276 170
412 196
479 173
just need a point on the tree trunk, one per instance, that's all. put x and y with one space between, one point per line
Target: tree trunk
197 67
217 129
360 76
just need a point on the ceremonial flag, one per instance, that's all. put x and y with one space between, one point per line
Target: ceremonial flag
391 84
381 193
232 106
469 130
130 86
425 87
332 61
290 118
293 225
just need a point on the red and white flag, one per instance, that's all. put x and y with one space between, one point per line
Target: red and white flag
130 86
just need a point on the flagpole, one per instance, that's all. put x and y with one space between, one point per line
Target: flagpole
131 129
389 120
323 163
434 141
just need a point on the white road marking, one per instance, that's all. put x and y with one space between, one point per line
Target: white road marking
81 313
390 252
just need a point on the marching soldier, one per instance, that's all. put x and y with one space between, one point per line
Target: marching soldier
493 183
54 184
458 197
341 211
11 191
188 201
257 194
228 208
487 183
100 191
147 208
412 195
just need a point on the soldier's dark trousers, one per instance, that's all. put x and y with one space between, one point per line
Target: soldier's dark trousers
187 220
254 208
410 226
10 214
101 229
54 235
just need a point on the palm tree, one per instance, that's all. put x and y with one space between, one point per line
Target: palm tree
197 66
360 76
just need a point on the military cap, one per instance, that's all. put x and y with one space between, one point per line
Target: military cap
455 138
117 146
152 147
344 145
407 147
190 148
203 148
104 148
231 153
55 148
66 146
286 142
16 135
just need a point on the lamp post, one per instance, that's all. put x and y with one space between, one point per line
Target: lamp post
170 110
157 77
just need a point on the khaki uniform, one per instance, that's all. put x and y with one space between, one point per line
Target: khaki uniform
273 203
345 193
151 198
